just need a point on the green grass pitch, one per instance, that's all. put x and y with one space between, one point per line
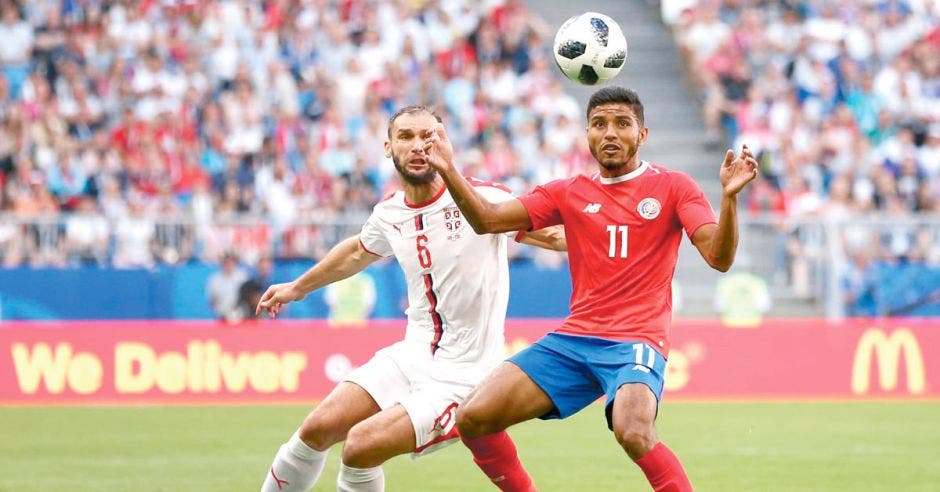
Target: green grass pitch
724 446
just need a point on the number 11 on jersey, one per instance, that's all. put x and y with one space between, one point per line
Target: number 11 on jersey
612 231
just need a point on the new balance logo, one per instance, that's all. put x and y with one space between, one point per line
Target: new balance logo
592 208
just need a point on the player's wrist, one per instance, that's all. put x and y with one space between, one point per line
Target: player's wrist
296 291
447 166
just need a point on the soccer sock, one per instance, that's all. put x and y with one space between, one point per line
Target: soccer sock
664 471
296 467
360 479
496 455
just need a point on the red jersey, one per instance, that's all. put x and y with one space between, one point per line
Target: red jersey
623 238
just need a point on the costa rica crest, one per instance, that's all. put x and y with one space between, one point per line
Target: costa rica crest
649 208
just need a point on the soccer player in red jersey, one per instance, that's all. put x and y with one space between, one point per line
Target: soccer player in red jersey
623 227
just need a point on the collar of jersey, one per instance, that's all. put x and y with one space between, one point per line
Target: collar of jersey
430 201
630 175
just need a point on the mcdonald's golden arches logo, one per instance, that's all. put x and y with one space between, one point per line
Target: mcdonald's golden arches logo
887 350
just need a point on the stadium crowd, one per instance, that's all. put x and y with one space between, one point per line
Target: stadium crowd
139 133
173 126
841 99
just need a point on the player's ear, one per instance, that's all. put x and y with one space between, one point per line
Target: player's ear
643 133
388 148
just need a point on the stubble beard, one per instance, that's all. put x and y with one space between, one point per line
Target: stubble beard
414 178
613 163
610 163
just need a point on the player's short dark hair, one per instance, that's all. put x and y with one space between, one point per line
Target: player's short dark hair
414 108
616 94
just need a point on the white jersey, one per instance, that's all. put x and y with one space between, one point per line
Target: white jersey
458 281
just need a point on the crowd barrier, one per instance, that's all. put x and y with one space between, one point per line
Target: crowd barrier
283 361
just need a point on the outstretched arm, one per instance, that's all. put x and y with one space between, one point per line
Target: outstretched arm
548 238
344 260
483 215
718 243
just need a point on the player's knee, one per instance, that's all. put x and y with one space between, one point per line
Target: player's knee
473 423
318 433
636 438
357 451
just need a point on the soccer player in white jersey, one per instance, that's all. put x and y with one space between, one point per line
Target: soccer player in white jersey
404 399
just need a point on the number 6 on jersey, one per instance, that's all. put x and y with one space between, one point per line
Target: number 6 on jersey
612 230
424 254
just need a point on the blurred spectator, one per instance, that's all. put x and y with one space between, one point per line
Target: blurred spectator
223 288
134 237
16 45
11 235
350 300
741 297
87 235
250 291
858 284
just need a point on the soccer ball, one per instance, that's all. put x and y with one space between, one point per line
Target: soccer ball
590 48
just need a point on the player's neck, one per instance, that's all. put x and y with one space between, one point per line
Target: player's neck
418 194
625 168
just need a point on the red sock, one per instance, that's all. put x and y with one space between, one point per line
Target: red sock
663 470
496 455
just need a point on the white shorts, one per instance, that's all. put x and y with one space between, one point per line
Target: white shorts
430 395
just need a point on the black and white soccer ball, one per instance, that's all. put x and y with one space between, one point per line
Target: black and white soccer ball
590 48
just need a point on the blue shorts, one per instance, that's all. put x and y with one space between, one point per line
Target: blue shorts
574 370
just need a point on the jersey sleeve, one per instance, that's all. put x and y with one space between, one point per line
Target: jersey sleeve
373 239
692 206
542 204
494 192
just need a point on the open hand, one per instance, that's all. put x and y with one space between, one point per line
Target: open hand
276 297
737 171
438 148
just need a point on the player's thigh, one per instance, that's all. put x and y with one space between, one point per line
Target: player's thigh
633 389
379 438
634 409
505 397
371 387
383 376
633 417
330 421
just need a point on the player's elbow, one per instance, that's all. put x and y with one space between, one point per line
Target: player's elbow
480 227
720 264
478 222
486 226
